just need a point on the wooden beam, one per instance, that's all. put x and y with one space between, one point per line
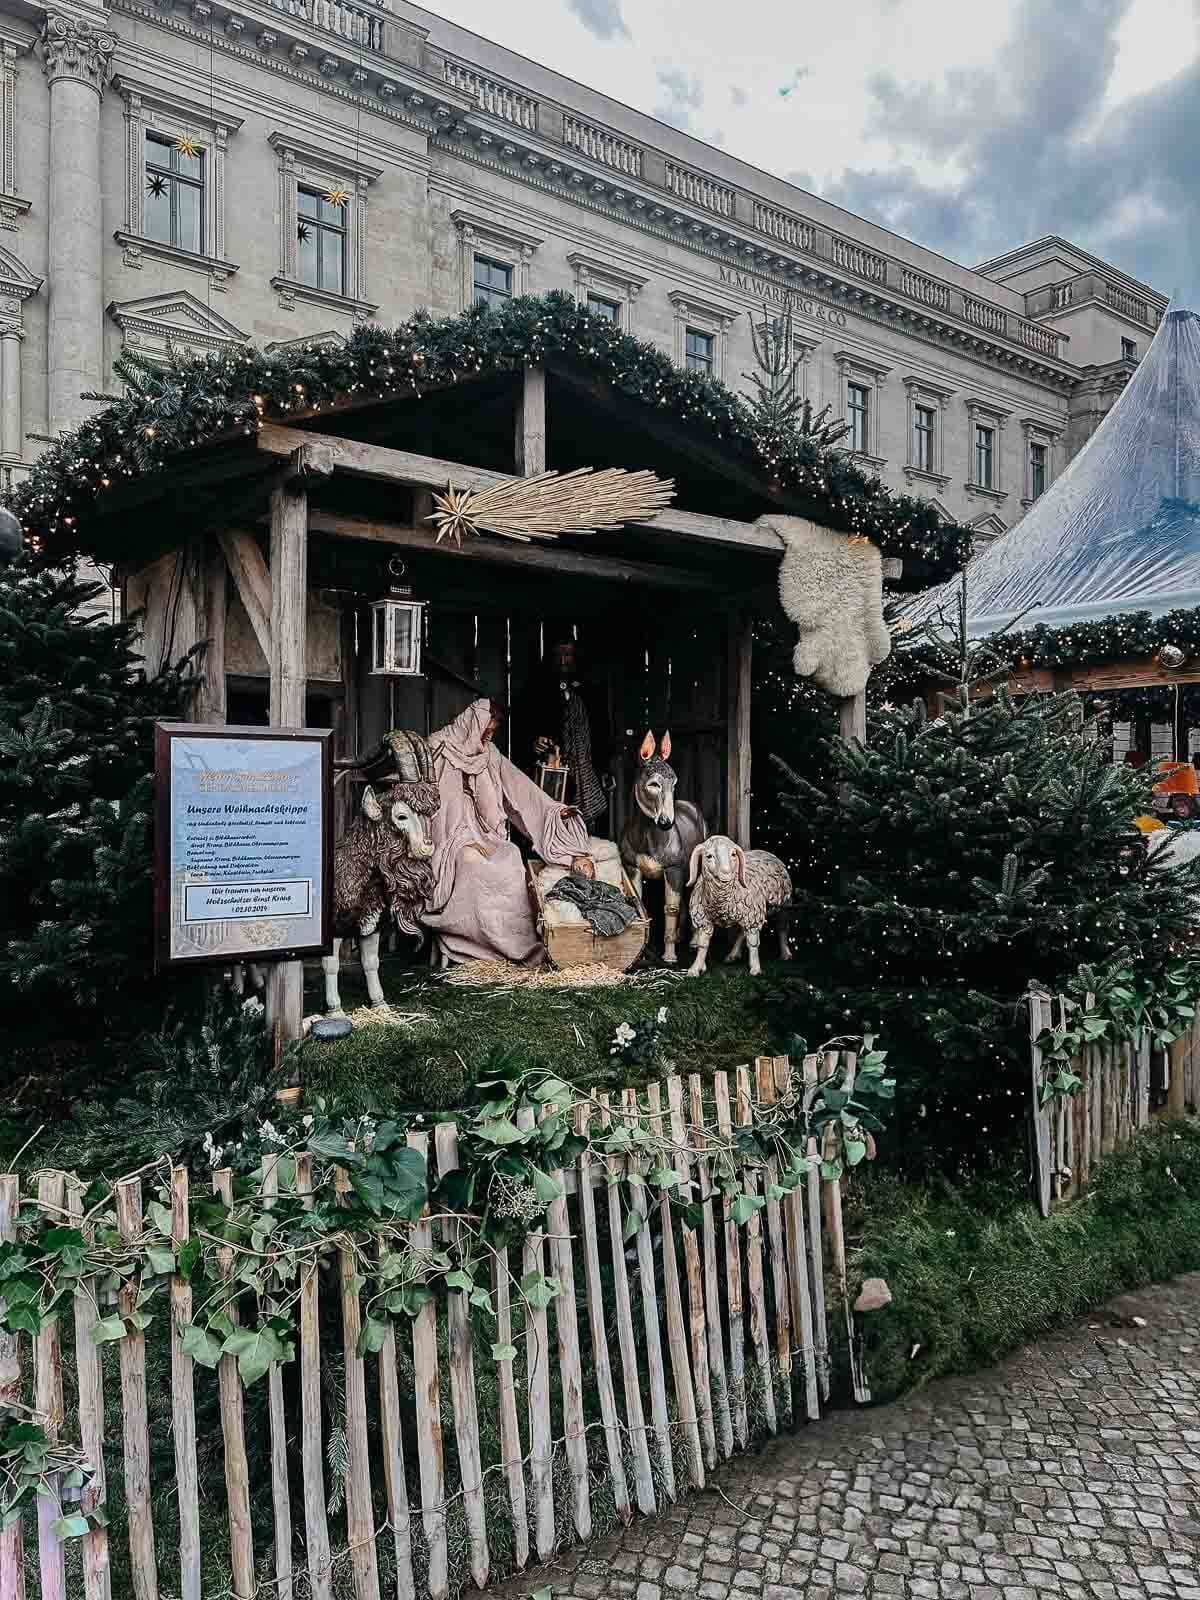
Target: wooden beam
494 552
252 581
530 444
288 660
739 658
386 465
210 700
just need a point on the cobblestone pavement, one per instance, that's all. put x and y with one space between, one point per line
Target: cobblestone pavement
1072 1470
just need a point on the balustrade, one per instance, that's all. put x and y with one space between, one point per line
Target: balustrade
982 315
698 190
497 99
927 290
1128 304
358 24
602 146
853 258
787 229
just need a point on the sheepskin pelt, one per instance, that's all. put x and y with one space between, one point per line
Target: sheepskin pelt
833 591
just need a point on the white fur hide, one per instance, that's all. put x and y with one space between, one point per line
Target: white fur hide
833 591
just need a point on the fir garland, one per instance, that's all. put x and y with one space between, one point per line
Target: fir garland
194 398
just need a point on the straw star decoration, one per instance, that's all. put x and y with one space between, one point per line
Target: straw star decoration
187 146
551 503
453 514
337 196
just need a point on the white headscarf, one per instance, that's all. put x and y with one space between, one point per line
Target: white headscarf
460 743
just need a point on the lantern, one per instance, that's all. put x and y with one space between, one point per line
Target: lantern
397 627
553 775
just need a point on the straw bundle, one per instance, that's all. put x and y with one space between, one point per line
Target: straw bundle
583 501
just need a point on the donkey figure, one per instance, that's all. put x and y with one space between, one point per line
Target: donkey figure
661 834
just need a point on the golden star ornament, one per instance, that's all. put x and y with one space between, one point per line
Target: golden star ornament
187 146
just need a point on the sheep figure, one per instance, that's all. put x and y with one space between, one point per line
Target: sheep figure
831 587
736 888
381 867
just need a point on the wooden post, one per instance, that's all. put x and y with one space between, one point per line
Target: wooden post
530 442
288 660
852 717
12 1547
737 794
210 699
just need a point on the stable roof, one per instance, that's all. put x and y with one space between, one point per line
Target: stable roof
1120 529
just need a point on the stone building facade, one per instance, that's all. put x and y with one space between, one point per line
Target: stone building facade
206 173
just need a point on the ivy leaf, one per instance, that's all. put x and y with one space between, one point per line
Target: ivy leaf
545 1187
553 1089
200 1344
161 1259
255 1349
482 1298
744 1207
632 1226
69 1527
160 1215
373 1336
413 1296
662 1177
539 1289
504 1352
460 1280
189 1255
501 1131
368 1186
107 1331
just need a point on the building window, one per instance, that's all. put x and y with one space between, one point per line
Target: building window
1128 350
493 283
699 351
858 415
610 310
1037 470
320 242
174 201
924 437
985 445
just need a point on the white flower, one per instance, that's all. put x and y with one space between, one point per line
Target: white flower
270 1134
212 1151
623 1036
662 1015
253 1007
307 1122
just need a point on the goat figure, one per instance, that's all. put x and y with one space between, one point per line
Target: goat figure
661 835
380 868
736 888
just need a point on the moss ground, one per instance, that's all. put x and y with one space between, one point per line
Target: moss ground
455 1032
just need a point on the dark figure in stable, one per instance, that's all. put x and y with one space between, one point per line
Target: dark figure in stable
561 710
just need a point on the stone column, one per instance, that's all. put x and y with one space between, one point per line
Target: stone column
10 392
78 59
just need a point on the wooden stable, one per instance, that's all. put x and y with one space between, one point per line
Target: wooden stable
272 545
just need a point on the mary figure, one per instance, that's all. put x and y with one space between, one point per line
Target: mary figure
479 907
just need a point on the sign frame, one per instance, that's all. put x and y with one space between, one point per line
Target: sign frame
165 733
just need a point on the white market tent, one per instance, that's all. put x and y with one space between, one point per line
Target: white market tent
1119 531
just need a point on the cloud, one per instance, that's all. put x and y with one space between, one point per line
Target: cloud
993 156
739 96
601 17
680 97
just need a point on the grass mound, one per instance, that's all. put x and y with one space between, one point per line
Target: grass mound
714 1023
975 1272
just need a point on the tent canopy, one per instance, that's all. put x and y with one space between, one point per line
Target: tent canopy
1120 529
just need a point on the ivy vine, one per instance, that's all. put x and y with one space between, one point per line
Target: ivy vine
247 1260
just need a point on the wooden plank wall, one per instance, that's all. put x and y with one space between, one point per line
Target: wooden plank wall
650 672
487 1462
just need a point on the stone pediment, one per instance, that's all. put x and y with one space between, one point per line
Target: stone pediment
156 322
990 527
330 339
16 280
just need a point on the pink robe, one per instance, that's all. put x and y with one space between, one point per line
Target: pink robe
479 908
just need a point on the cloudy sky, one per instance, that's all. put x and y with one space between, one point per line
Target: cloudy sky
967 127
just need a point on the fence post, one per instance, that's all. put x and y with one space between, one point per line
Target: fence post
97 1578
1039 1141
48 1402
233 1427
12 1548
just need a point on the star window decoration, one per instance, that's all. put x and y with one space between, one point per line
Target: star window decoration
187 146
156 185
337 196
303 231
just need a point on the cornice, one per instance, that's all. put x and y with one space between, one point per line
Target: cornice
323 157
822 284
481 222
128 85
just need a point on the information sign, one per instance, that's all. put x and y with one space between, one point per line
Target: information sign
243 843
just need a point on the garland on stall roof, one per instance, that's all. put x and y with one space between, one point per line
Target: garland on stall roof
1125 636
167 410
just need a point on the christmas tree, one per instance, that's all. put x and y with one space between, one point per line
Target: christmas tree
989 847
76 755
784 428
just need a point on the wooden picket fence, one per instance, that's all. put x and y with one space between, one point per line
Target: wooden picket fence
1124 1085
719 1334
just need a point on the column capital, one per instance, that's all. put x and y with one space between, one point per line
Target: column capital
74 49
